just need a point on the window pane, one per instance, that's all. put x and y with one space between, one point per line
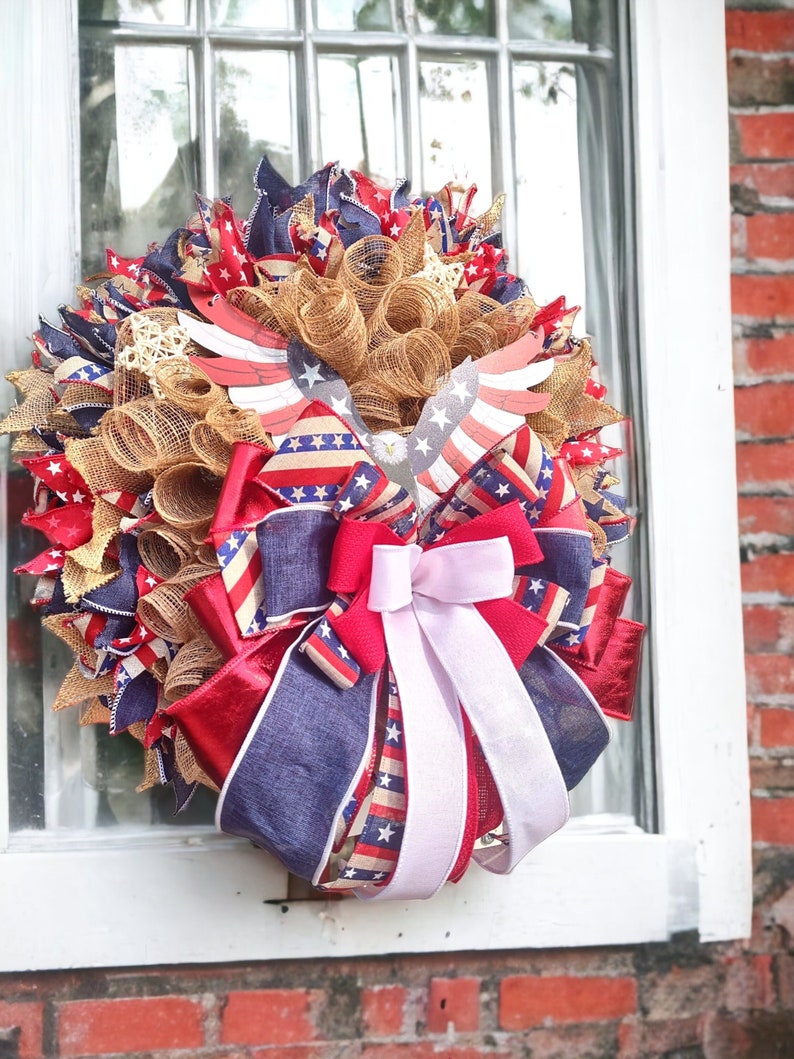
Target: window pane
275 14
254 116
455 126
353 14
144 12
138 156
357 113
540 19
550 246
451 16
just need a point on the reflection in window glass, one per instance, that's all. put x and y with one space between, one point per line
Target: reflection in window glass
138 157
275 14
254 116
548 196
357 113
144 12
353 14
455 126
540 19
475 17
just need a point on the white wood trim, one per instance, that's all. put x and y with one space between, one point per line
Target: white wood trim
684 257
581 887
212 906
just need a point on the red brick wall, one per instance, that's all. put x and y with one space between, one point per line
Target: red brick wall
681 1000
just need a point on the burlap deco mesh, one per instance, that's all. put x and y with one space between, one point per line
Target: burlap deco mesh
151 771
27 444
95 712
129 384
206 555
187 764
62 422
80 393
163 610
35 387
332 325
210 447
258 303
237 424
76 688
410 304
186 495
413 244
193 664
147 434
91 459
105 521
184 383
165 549
377 407
77 580
412 365
371 265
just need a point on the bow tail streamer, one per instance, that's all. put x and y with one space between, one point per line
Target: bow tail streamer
502 714
300 764
435 766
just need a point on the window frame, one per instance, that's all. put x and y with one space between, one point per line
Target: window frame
193 899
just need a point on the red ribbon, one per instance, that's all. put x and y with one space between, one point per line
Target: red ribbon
361 630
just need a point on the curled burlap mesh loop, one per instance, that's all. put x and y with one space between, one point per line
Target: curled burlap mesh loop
91 459
370 265
129 384
210 447
184 383
163 610
411 365
332 326
193 664
412 243
258 303
378 408
165 550
413 303
476 341
147 434
186 495
237 424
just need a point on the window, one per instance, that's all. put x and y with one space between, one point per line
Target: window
564 892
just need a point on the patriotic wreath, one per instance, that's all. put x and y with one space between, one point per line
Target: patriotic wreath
328 516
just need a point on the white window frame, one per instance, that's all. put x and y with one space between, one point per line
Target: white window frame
131 902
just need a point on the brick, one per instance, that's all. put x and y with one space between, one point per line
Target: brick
772 774
760 31
752 182
454 1001
682 992
749 983
594 1041
766 468
382 1009
765 410
777 726
269 1016
129 1024
784 978
767 629
771 236
427 1050
771 356
766 135
28 1017
766 515
738 236
763 297
773 820
638 1039
724 1037
757 80
769 674
769 573
532 1000
296 1051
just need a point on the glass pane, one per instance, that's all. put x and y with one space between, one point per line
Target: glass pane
254 116
588 21
455 126
357 113
550 244
143 12
275 14
451 16
138 155
353 14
